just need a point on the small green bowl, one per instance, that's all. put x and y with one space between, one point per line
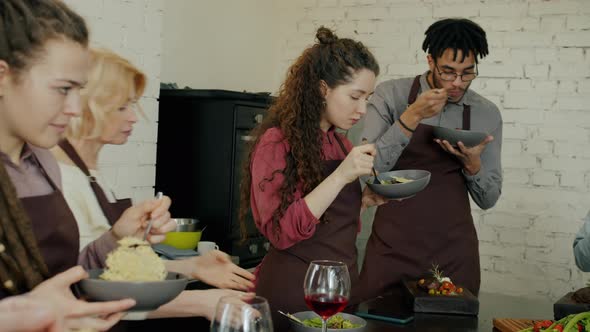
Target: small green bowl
183 240
186 235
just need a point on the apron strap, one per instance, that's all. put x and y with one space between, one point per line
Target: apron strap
42 169
414 90
69 150
104 203
341 145
466 117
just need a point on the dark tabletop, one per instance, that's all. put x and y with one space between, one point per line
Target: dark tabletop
490 306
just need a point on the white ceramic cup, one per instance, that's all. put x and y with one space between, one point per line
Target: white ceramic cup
205 246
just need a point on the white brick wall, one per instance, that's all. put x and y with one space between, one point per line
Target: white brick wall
538 73
133 29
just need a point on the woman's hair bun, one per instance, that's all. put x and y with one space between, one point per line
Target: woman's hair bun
326 36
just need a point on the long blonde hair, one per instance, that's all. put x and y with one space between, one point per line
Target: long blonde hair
110 83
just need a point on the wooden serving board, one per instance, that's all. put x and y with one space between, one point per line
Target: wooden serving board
464 304
511 324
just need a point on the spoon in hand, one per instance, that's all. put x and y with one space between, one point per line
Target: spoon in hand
376 180
149 226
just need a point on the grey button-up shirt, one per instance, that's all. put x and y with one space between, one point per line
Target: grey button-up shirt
582 246
391 100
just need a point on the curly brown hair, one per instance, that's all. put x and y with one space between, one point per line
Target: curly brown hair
297 113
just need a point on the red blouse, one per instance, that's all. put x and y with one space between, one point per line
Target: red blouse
298 223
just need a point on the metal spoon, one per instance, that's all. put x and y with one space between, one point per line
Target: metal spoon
291 317
376 180
149 226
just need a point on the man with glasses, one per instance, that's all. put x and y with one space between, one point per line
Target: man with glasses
435 227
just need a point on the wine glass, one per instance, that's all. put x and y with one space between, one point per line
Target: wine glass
246 313
326 288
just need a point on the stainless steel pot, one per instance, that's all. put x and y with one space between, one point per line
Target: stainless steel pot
186 225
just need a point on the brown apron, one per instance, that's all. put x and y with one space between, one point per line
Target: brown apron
434 227
54 226
281 274
112 211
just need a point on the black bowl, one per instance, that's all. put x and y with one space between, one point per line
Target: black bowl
420 180
148 295
453 136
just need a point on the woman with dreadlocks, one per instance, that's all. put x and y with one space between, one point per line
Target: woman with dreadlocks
301 177
436 226
43 65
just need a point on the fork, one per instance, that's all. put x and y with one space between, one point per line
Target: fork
149 226
291 317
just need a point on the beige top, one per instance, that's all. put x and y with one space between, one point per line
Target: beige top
77 191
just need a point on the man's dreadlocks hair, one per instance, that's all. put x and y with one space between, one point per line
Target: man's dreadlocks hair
456 34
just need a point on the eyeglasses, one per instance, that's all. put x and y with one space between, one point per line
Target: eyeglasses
465 77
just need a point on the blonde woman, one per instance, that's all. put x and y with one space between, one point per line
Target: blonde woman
109 113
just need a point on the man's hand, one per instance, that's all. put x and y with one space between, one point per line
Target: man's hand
470 157
427 105
430 103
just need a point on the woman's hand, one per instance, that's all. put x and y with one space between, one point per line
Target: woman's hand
75 313
216 269
135 219
199 303
24 314
358 162
370 198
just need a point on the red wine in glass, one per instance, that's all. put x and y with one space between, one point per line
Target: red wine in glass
326 288
326 306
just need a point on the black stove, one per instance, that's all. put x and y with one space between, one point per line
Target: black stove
202 141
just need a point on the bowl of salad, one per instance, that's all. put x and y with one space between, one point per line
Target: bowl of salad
399 184
339 322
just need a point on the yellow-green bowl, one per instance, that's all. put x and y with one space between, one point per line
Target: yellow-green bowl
183 240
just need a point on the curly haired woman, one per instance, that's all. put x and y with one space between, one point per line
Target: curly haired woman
301 177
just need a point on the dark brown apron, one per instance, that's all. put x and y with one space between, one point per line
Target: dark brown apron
112 211
54 226
434 227
281 275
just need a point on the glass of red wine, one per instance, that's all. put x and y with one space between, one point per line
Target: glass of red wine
326 288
